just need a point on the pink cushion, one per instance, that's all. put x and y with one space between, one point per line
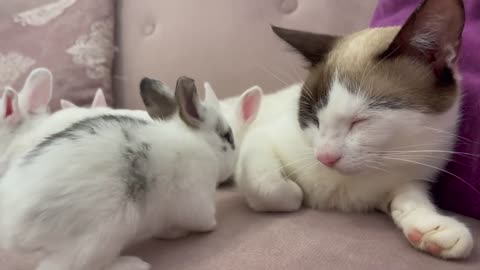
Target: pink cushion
73 38
304 240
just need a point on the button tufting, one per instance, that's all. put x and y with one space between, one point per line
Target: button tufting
149 28
289 6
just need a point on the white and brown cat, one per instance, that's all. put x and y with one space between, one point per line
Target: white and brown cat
370 127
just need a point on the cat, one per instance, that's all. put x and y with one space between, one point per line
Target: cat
358 133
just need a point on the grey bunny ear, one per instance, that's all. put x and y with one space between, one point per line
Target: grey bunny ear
158 99
191 110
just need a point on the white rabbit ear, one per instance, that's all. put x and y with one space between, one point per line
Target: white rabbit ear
65 104
99 99
249 104
10 109
210 96
37 91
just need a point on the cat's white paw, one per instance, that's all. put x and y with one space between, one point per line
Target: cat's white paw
439 235
277 196
129 263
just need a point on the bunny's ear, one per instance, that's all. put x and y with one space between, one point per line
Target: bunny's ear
249 104
191 109
37 92
65 104
210 96
99 99
158 99
10 109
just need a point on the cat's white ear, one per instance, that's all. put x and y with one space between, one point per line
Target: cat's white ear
210 96
36 92
10 110
432 35
249 104
99 99
65 104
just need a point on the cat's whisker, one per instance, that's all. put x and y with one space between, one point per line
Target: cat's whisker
375 66
300 176
300 168
283 166
377 168
428 151
452 135
436 168
286 74
416 145
408 155
273 75
308 91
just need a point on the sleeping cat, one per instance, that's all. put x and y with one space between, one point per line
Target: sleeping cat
373 123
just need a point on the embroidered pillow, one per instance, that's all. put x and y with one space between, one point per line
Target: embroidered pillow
73 38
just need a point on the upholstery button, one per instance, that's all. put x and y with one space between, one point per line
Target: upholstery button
288 6
149 28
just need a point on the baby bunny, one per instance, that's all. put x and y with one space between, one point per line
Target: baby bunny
240 111
21 112
84 193
10 117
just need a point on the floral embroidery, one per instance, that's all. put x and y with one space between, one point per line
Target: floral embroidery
12 66
43 14
95 50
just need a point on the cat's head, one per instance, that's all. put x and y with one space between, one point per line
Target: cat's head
381 89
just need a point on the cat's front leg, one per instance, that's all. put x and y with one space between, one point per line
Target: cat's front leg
261 180
425 228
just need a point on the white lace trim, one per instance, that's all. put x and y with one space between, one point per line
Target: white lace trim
95 49
42 14
12 66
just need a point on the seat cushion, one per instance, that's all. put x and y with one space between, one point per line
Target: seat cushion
307 239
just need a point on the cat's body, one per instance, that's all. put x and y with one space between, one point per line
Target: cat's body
277 126
374 122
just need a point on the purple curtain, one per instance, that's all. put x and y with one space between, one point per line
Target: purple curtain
460 193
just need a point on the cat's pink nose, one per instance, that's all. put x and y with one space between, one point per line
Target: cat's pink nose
328 159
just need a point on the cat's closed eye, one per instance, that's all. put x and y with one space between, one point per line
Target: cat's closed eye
357 121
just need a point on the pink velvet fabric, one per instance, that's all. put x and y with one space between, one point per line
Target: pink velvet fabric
307 239
72 38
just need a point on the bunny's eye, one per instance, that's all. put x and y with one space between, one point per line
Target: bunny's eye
228 136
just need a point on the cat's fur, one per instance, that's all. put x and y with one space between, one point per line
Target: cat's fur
373 123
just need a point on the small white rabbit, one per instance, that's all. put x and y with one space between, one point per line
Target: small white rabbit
98 101
23 111
108 180
240 111
10 117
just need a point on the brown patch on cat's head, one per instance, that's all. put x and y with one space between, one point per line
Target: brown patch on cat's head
409 67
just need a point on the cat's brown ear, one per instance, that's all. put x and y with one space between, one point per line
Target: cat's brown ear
432 34
314 47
